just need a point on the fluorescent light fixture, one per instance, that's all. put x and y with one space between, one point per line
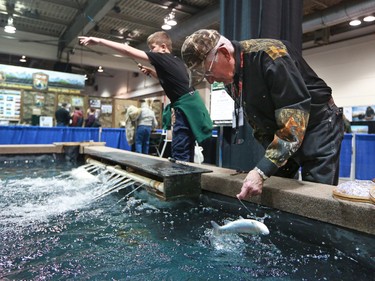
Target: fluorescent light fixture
10 28
369 19
355 22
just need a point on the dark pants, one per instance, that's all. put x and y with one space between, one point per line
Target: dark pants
183 140
142 139
319 155
60 124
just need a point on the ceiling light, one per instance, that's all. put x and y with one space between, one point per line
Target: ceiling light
100 69
170 19
166 26
23 59
369 19
355 22
10 28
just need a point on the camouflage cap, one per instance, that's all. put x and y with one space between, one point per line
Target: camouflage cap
195 49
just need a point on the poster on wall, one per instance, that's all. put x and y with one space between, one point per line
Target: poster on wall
222 105
77 101
95 103
10 104
348 113
363 113
107 108
39 100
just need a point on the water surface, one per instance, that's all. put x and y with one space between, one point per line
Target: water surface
53 228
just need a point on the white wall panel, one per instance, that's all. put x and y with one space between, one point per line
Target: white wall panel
348 68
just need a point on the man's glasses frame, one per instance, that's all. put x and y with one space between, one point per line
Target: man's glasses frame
208 72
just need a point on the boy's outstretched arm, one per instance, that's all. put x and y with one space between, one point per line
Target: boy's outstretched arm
124 49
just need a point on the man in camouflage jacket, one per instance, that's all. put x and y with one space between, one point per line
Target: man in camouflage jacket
289 107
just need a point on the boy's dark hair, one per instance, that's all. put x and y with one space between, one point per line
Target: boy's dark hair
159 38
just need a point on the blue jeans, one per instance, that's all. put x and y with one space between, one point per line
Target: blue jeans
183 139
142 139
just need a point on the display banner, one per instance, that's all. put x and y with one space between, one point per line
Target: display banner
40 80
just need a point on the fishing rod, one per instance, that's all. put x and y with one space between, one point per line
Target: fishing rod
140 66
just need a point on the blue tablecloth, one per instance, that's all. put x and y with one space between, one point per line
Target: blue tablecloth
46 135
346 156
116 138
365 156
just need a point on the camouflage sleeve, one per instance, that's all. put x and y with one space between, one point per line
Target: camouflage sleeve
287 140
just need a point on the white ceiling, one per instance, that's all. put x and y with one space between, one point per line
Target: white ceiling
47 30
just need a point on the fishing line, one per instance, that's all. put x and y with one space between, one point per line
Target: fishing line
247 209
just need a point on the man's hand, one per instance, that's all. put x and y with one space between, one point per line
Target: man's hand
251 186
85 41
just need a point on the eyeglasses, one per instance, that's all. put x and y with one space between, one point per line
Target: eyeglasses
208 73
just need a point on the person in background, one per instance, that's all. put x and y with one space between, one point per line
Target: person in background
131 115
90 120
145 123
193 121
290 109
62 115
77 117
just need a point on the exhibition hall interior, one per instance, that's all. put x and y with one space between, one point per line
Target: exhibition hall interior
40 36
107 172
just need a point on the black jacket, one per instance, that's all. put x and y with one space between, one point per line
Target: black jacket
280 94
62 116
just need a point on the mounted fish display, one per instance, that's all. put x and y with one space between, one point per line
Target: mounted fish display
241 226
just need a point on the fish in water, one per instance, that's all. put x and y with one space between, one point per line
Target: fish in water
241 226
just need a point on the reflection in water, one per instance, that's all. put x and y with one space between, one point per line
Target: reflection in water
53 228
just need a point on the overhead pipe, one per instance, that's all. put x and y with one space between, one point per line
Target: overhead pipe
338 14
328 17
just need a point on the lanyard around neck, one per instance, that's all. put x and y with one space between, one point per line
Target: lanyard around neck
236 89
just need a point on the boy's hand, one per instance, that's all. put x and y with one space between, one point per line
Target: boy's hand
85 41
146 70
